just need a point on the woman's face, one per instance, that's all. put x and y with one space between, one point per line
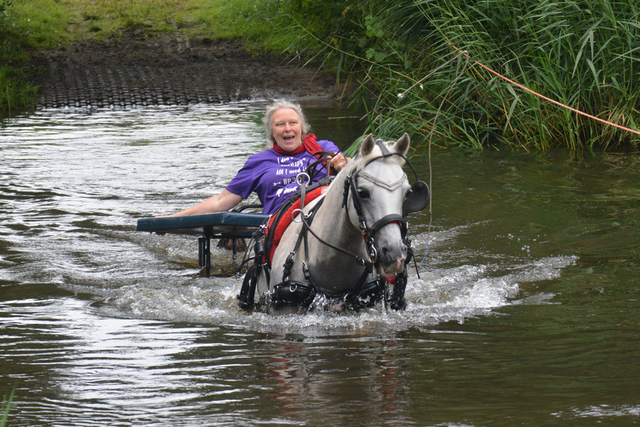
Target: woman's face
286 129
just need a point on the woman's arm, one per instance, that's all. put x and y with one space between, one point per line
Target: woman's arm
218 203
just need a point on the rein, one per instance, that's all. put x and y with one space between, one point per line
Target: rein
368 233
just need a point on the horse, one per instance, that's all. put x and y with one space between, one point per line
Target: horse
346 249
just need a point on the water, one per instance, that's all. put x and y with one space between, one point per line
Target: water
524 311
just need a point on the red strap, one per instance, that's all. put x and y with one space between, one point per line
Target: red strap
282 152
286 219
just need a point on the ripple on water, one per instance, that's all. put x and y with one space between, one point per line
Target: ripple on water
86 177
102 325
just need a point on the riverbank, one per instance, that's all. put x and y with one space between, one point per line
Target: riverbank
145 52
136 70
580 58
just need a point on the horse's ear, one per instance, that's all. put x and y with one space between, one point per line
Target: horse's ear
402 145
367 145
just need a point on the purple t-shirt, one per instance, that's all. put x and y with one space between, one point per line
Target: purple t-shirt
273 176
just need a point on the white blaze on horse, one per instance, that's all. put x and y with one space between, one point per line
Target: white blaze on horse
348 247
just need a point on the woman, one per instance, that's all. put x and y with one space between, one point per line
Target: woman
272 173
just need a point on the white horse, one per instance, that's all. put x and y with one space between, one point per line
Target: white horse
349 246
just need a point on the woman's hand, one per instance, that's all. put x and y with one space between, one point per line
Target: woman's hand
338 162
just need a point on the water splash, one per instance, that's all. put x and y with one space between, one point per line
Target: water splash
454 294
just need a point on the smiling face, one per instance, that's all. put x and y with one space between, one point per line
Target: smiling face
286 129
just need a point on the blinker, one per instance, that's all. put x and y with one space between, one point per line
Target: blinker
417 197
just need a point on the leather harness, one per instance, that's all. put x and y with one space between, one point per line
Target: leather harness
302 294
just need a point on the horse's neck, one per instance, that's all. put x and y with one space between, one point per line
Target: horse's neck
332 225
332 222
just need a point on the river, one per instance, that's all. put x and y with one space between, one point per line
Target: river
523 311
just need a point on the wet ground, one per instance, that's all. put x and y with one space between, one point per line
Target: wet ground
137 71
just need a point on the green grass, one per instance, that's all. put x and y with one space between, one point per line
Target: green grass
14 89
4 410
50 23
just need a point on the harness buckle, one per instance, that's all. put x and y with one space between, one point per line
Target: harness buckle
288 265
373 254
294 216
303 178
305 271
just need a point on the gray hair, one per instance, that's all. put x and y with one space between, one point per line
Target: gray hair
267 119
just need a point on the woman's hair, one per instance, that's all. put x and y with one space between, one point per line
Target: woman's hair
267 120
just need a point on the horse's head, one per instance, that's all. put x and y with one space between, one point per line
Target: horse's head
375 191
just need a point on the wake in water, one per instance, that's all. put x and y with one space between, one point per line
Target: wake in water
440 294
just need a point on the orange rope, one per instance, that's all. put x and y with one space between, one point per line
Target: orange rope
544 97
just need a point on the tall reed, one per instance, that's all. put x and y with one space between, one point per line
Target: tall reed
580 53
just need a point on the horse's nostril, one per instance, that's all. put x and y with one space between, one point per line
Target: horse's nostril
392 254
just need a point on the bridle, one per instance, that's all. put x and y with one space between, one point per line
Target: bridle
369 232
350 186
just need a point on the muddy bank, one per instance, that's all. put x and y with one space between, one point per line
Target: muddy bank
133 71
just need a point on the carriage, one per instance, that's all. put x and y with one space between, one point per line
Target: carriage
340 246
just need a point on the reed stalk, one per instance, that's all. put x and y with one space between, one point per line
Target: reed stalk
6 407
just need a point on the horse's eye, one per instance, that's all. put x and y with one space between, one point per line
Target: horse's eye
363 193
